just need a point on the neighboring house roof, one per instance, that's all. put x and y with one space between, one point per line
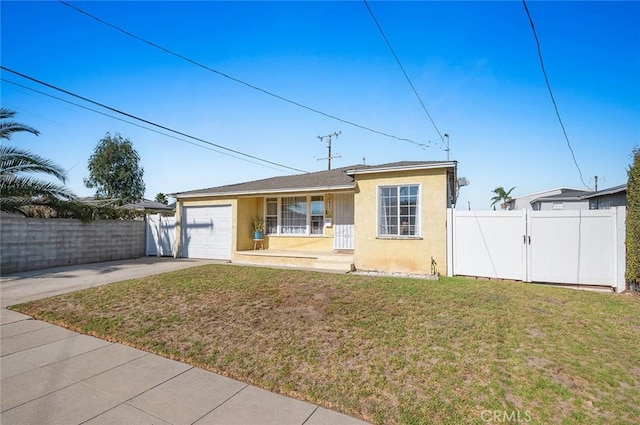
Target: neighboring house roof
146 204
543 193
610 191
338 178
581 195
568 195
90 200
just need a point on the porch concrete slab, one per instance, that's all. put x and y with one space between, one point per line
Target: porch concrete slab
126 414
257 406
63 349
74 404
188 397
27 386
134 378
323 416
95 362
36 338
14 364
21 327
8 316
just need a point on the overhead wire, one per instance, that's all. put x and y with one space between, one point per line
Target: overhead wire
553 100
246 155
406 76
135 124
237 80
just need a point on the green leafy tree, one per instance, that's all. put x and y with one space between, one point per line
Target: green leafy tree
8 126
162 198
502 196
20 189
114 170
632 273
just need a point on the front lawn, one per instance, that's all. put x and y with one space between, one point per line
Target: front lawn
388 350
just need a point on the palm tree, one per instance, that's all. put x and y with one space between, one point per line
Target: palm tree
502 196
7 128
19 189
162 198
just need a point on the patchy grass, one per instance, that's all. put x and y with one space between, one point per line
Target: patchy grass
388 350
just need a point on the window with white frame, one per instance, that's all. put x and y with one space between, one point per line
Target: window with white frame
317 215
398 210
271 216
295 215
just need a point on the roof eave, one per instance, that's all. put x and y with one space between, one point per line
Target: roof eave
186 195
412 167
611 191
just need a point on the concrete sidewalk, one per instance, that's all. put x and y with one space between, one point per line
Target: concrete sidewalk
51 375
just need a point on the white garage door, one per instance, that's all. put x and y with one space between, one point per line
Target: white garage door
207 232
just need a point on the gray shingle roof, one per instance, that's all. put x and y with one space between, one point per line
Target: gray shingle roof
609 191
147 204
568 195
578 195
336 178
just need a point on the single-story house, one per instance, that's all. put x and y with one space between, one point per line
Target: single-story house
389 217
608 198
529 201
572 199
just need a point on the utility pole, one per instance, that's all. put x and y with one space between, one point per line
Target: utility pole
328 137
596 179
447 148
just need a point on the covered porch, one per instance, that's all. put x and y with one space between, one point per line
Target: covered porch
338 261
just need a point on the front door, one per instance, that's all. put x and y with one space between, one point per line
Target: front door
343 228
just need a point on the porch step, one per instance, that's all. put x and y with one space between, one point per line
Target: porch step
337 262
340 262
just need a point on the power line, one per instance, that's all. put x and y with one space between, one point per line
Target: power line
237 80
147 121
553 100
402 69
134 124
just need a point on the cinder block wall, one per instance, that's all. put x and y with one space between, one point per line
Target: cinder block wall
33 243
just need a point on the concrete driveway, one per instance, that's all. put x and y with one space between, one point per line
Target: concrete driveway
34 285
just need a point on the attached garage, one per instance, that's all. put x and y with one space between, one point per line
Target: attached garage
206 232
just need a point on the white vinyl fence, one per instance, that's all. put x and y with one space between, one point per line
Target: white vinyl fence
161 235
572 247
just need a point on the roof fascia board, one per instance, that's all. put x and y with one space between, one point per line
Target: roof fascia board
413 167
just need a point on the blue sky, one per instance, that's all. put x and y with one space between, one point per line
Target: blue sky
474 64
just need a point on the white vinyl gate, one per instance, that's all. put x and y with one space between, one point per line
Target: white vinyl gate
161 235
343 221
583 247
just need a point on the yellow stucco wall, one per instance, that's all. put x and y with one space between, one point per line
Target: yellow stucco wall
301 243
400 254
247 208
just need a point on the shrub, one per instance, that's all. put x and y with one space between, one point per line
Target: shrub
632 274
